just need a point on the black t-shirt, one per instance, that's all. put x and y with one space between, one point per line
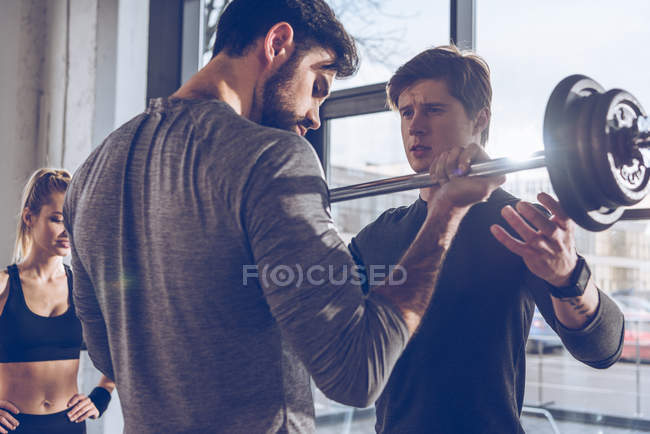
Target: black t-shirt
464 370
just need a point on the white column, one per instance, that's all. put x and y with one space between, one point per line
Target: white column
22 32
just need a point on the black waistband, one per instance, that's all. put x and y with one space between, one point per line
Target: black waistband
43 419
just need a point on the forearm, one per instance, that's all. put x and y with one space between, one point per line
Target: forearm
599 341
101 395
106 383
576 312
422 263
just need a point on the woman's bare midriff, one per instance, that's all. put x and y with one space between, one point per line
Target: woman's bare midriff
39 387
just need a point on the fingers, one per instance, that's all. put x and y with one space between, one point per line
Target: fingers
80 406
554 228
75 399
452 166
509 242
555 208
440 168
87 411
495 181
537 240
455 162
537 218
539 248
470 153
8 405
7 422
448 170
520 226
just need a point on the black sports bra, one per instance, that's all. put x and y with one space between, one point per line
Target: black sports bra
28 337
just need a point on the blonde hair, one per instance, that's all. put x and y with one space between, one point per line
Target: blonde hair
37 192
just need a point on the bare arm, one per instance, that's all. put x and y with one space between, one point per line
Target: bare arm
92 406
576 312
106 383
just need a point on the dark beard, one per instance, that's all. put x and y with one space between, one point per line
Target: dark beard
277 109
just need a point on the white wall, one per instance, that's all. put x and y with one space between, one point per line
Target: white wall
71 71
20 94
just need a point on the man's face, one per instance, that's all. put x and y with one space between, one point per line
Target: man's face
432 122
293 95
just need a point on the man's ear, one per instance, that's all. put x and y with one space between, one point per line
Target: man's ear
481 120
278 44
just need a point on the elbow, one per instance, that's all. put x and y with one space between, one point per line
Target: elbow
359 362
355 381
357 385
103 365
102 362
354 395
609 361
606 363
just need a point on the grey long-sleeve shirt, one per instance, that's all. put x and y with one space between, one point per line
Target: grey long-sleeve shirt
167 219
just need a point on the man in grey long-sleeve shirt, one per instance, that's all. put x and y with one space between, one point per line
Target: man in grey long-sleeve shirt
208 275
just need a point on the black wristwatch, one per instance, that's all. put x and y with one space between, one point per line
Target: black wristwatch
577 283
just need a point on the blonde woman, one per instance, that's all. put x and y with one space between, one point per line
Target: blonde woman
40 335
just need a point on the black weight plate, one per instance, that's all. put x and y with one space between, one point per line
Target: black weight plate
564 108
601 219
621 172
582 169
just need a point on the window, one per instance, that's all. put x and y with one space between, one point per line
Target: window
530 47
389 33
365 148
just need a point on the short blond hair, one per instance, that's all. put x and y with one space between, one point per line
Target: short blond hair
38 192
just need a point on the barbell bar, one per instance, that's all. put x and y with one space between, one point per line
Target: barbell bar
596 150
497 166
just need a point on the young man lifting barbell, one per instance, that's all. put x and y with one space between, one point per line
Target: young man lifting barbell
464 371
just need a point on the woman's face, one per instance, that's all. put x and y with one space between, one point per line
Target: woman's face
46 227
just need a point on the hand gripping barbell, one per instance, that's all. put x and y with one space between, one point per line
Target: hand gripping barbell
596 151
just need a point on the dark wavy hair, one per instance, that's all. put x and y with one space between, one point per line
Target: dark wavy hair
313 21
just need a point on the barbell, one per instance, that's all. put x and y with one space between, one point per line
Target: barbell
596 151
